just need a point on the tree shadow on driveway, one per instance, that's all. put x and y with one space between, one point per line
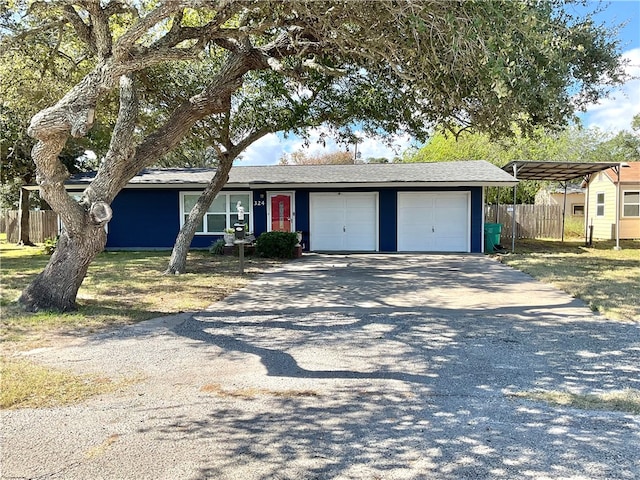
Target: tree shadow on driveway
418 390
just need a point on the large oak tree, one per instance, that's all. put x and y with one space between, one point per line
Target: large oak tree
394 65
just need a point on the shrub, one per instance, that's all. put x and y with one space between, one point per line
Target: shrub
217 247
276 244
50 245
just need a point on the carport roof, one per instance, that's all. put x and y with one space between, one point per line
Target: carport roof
555 171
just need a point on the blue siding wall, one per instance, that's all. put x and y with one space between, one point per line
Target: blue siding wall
144 218
302 216
477 217
388 222
150 219
259 212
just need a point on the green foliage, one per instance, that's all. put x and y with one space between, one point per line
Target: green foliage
50 245
300 157
276 244
217 247
569 145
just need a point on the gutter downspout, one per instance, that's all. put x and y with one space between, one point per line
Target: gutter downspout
617 247
587 180
513 217
564 209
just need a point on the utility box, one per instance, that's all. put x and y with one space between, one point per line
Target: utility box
492 233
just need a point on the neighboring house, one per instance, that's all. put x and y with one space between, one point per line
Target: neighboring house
601 202
431 207
555 196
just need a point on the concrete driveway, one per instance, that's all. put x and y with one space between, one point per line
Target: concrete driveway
350 367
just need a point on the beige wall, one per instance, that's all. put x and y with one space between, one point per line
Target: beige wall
572 199
604 226
544 197
629 226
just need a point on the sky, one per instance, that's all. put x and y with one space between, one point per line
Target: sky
611 114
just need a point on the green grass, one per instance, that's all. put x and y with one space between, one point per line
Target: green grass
607 280
620 401
120 288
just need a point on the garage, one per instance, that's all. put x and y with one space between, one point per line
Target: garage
343 221
434 222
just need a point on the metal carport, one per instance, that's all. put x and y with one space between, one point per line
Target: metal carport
562 172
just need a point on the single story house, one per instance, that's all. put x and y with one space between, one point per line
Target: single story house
575 200
601 202
414 207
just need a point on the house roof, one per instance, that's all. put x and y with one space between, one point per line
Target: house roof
557 171
478 173
629 173
571 189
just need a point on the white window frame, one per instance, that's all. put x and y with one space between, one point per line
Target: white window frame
624 203
228 213
600 204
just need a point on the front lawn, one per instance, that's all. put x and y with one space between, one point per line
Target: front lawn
120 288
607 279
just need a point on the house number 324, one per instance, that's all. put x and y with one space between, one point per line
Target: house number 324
258 203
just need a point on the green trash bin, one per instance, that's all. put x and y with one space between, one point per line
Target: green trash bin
492 233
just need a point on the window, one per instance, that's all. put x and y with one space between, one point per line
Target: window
221 213
600 205
631 204
578 210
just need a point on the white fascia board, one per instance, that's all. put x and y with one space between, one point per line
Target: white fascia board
337 186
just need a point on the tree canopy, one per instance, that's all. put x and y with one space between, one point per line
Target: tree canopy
574 144
252 67
301 157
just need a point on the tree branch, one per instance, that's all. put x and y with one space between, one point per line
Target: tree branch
100 31
83 31
115 171
127 41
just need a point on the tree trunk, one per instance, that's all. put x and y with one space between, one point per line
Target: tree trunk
23 214
56 287
178 260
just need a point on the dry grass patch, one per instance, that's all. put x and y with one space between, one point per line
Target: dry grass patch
607 280
216 389
120 288
28 385
621 401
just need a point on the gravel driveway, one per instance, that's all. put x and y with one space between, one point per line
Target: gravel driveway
350 367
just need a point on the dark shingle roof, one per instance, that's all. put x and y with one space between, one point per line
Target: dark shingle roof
455 173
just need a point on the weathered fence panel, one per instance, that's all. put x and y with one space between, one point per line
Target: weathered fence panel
532 221
43 224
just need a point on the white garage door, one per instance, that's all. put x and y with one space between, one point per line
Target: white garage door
433 222
343 221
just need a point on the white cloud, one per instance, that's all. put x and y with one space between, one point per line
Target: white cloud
266 151
269 149
616 112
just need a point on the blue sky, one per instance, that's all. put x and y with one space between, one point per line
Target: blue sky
611 114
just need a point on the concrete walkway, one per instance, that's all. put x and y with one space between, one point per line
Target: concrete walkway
350 367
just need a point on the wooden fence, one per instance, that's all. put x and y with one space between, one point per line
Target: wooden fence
532 221
43 224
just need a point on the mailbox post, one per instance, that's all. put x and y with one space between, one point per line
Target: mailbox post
239 232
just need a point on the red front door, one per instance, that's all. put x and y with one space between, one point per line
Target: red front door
281 213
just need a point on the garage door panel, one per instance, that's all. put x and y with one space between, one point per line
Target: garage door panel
433 222
346 221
